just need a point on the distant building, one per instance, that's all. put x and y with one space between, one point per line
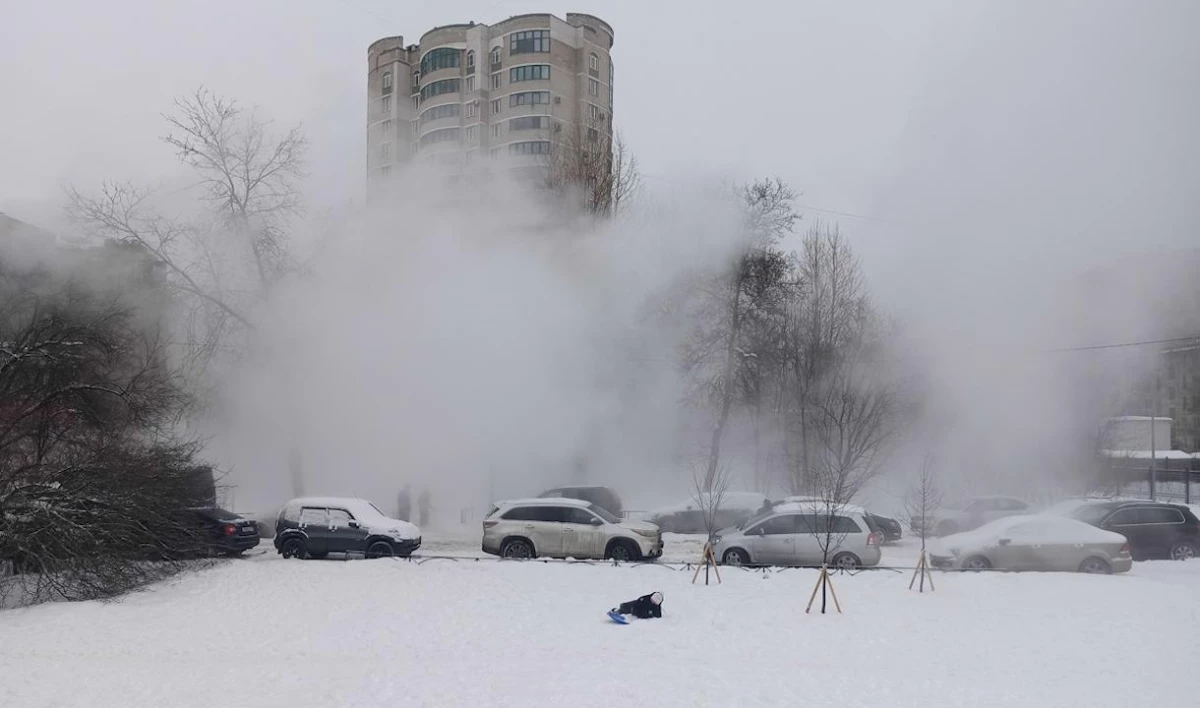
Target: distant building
1178 394
514 92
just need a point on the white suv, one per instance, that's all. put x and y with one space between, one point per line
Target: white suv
566 528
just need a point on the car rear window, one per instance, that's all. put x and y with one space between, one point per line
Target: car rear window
1159 515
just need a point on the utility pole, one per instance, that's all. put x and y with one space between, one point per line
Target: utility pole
1153 456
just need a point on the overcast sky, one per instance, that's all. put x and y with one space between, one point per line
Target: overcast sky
976 134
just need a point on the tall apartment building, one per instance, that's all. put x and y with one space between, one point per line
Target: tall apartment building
514 91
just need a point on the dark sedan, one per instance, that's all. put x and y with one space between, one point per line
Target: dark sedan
226 532
889 527
1154 529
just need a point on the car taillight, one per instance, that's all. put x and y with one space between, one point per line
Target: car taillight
1125 550
490 523
229 529
872 540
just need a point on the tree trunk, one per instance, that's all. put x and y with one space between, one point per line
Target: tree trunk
735 325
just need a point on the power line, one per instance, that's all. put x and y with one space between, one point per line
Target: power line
1141 343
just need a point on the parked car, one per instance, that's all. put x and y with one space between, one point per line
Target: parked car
795 533
700 516
1154 529
971 515
226 532
1034 542
314 527
889 527
566 528
602 497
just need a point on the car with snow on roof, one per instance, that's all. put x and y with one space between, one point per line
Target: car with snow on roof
314 527
566 528
1038 542
707 511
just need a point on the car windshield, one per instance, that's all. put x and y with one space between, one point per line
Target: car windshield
603 514
754 520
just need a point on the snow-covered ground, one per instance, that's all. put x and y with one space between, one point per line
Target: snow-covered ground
269 632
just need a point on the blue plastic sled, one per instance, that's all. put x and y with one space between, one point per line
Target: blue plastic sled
616 617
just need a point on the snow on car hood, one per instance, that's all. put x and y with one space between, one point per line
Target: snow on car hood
639 526
1023 530
397 529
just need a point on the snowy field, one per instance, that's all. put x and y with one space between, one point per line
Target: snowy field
267 632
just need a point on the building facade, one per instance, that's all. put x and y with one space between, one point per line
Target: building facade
513 93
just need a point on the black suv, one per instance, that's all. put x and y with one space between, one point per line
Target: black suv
1153 529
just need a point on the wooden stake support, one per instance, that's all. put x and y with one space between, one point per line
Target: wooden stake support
824 582
923 570
708 559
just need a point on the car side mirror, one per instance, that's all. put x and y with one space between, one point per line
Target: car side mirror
353 524
596 522
1005 541
760 531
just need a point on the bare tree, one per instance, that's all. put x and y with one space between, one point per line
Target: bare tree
92 482
590 163
923 499
750 290
224 262
710 498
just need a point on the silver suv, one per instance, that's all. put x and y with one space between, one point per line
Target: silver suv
796 533
566 528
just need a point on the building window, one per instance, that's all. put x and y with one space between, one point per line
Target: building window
441 58
593 87
594 62
610 85
440 136
385 171
495 81
416 84
471 133
496 107
446 110
594 112
530 147
529 123
385 152
529 98
385 130
470 84
593 135
387 82
495 57
438 88
470 60
496 130
471 109
529 42
529 72
385 104
494 152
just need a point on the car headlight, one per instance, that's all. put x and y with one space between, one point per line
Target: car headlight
647 534
716 540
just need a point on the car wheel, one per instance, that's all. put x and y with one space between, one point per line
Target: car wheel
977 563
846 561
947 528
622 551
516 548
1184 550
294 547
735 557
1095 565
379 549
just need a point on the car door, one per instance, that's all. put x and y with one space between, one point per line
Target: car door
314 522
1161 527
544 528
345 534
583 535
1027 546
1125 522
773 540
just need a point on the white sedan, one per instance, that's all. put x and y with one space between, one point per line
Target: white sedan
1040 542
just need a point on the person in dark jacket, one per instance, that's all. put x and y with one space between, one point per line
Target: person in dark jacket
644 607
